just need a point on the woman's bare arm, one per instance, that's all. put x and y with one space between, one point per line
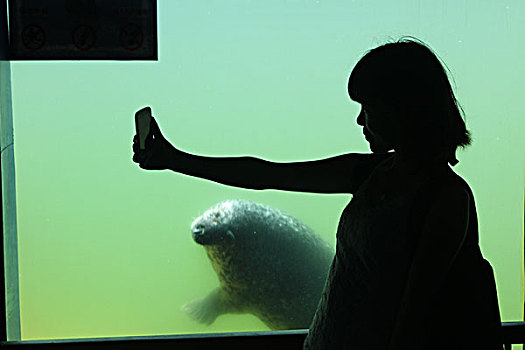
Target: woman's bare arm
339 174
331 175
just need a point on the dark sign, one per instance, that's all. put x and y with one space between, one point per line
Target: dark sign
83 29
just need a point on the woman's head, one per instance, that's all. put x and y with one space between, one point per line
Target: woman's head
406 81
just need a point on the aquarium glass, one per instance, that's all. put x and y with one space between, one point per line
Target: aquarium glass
105 248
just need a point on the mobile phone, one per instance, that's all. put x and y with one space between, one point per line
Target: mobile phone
142 124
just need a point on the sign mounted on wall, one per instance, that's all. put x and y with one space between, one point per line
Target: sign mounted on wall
83 29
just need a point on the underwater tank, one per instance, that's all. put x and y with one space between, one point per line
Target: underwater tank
105 249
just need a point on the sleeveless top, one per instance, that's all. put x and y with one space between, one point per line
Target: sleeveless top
375 245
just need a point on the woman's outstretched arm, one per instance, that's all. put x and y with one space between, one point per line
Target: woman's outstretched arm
339 174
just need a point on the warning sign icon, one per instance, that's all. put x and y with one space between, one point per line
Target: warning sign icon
33 37
84 37
131 37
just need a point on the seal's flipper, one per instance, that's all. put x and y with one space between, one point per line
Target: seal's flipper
208 308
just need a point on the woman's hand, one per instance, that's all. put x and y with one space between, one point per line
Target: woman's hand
158 152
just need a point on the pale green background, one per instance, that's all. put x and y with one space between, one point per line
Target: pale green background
105 248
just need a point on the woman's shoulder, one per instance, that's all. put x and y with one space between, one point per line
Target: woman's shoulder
452 184
363 165
452 195
449 201
371 160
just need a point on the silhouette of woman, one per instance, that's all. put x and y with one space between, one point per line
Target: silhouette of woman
408 271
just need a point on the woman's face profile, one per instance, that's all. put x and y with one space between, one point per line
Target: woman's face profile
378 128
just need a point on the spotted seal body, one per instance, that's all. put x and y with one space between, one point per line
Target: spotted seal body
269 264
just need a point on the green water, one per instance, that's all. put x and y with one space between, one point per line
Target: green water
105 248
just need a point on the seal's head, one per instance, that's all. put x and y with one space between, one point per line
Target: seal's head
213 227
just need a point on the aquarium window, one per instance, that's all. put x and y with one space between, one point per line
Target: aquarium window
96 247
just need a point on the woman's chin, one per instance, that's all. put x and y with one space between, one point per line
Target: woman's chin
375 148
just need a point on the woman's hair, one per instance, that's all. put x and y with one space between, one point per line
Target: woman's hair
407 78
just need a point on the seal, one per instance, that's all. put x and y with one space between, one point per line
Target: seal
268 263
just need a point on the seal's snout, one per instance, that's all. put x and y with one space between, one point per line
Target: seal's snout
198 232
